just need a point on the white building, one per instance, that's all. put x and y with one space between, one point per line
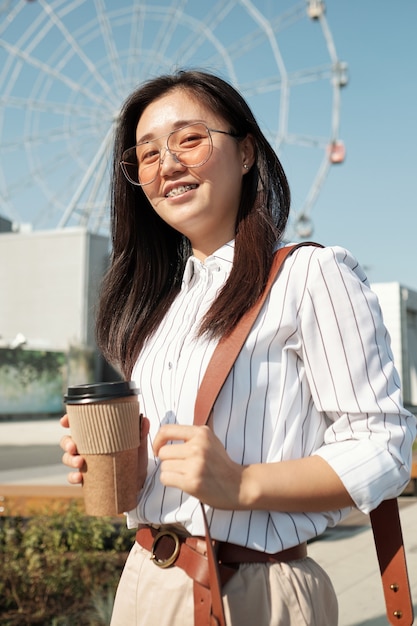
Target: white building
399 308
48 287
49 282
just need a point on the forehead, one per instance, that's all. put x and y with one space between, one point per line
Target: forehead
173 110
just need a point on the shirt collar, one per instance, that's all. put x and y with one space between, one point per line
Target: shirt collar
221 259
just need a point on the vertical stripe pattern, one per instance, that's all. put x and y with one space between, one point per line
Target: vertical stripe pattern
315 376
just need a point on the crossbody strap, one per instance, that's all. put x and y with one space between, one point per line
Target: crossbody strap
386 527
385 518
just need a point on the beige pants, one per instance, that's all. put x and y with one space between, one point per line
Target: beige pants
284 594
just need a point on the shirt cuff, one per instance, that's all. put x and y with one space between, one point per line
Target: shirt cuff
373 477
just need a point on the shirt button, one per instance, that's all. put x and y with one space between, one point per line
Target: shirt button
170 365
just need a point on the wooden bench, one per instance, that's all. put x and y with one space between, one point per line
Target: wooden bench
26 500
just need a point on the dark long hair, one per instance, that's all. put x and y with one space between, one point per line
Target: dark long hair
148 256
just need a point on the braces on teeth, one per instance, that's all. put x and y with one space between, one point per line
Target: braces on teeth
180 189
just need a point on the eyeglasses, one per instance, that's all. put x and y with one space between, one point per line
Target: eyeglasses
191 146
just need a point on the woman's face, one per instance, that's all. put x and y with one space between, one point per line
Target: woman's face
200 202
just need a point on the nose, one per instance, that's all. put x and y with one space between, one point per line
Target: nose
169 161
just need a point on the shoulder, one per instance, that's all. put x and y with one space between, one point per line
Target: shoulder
322 274
312 261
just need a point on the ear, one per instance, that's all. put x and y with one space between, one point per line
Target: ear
247 150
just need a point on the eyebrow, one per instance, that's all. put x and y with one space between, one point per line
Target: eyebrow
178 124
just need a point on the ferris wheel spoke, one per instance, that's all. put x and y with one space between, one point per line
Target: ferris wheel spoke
163 37
49 71
47 137
265 24
135 41
109 43
101 210
307 141
210 21
245 45
253 39
315 189
310 75
76 47
94 194
262 85
105 146
100 170
48 167
32 32
10 70
289 18
218 13
44 106
203 31
55 202
12 11
328 37
281 22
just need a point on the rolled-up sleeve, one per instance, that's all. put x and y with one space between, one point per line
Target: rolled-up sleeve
353 380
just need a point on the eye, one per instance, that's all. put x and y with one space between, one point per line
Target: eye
191 139
147 154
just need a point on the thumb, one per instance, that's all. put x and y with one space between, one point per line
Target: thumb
144 431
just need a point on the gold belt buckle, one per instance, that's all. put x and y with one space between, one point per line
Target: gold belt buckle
170 560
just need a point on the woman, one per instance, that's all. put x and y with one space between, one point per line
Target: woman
309 422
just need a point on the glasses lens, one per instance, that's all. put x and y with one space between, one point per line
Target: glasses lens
148 158
130 166
191 145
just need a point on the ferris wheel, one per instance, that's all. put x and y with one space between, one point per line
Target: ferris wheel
67 65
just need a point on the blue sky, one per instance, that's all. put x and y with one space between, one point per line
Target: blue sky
367 204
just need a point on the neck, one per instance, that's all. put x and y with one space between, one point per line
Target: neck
203 249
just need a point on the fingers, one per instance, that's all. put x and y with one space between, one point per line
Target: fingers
72 459
64 421
145 427
68 445
75 478
173 432
195 461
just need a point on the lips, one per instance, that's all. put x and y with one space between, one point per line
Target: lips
179 189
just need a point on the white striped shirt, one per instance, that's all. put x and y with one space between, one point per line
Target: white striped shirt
315 376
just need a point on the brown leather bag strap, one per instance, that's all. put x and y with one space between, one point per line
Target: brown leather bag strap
386 527
217 608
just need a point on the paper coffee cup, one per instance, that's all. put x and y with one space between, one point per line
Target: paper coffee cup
105 425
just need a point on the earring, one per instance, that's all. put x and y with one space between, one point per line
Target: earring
245 166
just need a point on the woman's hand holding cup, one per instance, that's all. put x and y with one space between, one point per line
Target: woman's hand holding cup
71 458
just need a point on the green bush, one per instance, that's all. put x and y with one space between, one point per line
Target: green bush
60 569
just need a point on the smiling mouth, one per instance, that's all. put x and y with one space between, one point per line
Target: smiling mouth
179 190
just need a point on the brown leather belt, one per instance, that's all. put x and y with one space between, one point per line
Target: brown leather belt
167 548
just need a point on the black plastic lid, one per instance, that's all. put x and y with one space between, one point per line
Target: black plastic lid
99 392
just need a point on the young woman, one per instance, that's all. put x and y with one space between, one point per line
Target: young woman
309 422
